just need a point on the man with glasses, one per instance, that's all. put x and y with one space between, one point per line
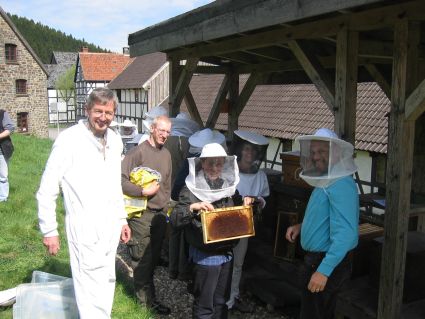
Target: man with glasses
85 163
149 229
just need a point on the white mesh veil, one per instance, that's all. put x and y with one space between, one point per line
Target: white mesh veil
213 175
325 158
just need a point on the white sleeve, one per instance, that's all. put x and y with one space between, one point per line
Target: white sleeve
49 189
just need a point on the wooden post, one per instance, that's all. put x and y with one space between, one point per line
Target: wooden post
233 116
399 177
221 96
347 43
174 73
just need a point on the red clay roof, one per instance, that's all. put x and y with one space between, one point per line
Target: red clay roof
287 111
102 66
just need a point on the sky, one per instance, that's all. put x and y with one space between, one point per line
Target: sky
106 23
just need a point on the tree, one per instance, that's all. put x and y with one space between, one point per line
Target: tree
65 84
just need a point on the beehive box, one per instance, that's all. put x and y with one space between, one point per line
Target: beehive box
291 169
227 223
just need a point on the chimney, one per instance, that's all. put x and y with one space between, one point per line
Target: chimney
84 49
126 50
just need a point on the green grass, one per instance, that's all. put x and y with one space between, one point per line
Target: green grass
21 248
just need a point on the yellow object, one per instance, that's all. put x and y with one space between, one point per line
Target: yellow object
143 177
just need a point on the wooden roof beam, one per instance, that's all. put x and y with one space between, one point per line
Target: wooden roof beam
191 107
379 78
218 102
415 103
317 74
361 21
249 87
182 85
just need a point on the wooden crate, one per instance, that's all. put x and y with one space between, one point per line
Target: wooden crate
282 248
227 223
291 169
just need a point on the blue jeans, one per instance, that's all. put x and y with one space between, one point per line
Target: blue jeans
4 182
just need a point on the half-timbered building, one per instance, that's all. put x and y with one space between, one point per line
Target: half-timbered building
61 102
95 70
140 86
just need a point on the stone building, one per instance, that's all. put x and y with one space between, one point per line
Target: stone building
23 81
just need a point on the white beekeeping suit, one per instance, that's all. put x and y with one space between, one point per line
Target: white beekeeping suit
94 208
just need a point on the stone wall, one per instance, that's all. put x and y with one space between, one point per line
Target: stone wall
26 68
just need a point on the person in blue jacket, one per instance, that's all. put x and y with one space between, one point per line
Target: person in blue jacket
329 230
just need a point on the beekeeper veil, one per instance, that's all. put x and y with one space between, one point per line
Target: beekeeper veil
325 158
213 175
251 150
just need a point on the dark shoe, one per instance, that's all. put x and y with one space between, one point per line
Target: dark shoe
159 309
242 306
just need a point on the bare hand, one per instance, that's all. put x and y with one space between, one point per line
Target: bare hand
317 282
52 245
125 233
292 232
248 201
201 206
151 190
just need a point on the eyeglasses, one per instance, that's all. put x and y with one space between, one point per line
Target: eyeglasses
162 131
99 113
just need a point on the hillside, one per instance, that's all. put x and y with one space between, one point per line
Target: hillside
44 40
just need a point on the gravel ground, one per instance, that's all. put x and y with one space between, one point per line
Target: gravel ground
174 294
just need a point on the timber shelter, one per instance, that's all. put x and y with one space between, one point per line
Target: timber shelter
333 44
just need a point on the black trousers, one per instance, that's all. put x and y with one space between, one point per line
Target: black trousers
211 290
145 250
322 305
178 263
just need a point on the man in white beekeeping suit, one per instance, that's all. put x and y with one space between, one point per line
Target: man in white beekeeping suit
85 163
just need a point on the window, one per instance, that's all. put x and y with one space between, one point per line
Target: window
21 87
119 95
11 53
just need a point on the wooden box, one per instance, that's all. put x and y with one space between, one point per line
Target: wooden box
283 248
227 223
291 169
414 275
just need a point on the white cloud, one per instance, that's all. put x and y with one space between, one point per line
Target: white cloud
106 23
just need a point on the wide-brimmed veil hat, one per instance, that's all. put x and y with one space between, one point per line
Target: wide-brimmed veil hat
206 136
319 171
183 125
205 187
251 150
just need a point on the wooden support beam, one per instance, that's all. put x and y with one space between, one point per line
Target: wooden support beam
346 84
233 116
191 107
398 180
173 78
379 78
182 85
317 74
204 69
249 87
415 103
221 96
361 21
